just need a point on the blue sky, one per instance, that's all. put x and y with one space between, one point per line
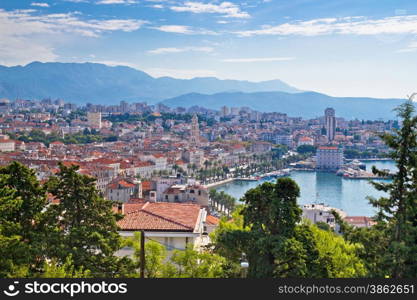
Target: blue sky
340 47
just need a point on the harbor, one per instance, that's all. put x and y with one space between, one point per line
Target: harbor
324 187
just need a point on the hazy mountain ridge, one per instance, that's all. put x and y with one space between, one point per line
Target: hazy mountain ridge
102 84
305 104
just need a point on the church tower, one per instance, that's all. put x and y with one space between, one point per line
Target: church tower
195 131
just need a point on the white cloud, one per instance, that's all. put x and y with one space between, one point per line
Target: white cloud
33 36
24 22
21 51
346 25
157 6
179 50
182 29
113 63
180 73
227 9
116 2
257 59
175 29
39 4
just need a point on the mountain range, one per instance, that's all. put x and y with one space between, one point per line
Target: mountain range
304 104
102 84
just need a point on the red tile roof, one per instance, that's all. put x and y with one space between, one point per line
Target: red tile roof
146 185
121 184
7 141
160 216
212 220
359 220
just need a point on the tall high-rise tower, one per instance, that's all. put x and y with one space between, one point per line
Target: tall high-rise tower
330 123
195 131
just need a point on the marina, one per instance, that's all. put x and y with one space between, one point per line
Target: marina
347 194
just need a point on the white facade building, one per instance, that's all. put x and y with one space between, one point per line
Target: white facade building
321 213
7 145
94 120
329 158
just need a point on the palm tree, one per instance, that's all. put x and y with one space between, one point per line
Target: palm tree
175 168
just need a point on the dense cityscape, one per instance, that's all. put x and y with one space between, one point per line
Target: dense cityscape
272 140
151 154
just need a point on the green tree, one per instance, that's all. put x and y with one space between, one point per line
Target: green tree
273 242
190 263
303 149
53 269
155 256
22 232
85 227
374 241
398 210
339 258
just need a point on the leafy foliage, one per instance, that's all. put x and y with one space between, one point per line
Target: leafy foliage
85 225
397 212
22 201
277 244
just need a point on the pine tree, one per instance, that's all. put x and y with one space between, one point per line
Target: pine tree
22 230
86 226
398 211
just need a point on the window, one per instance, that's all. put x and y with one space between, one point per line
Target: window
169 243
191 191
166 197
199 193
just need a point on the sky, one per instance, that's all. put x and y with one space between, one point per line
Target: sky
343 48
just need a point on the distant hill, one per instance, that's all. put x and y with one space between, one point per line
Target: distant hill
102 84
306 104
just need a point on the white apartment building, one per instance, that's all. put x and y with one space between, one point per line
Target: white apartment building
305 140
7 145
329 158
159 160
284 139
321 213
163 183
94 120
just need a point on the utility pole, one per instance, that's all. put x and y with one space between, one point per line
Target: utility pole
142 254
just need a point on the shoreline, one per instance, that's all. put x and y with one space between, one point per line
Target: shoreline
217 183
370 159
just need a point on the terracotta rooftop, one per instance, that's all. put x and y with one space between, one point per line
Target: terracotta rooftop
146 185
160 216
7 141
121 184
359 220
328 148
212 220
